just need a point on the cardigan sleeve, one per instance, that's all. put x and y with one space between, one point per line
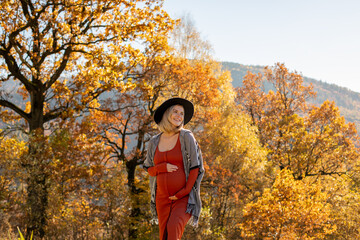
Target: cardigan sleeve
149 162
189 183
192 150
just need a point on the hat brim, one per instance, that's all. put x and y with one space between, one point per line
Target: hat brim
187 105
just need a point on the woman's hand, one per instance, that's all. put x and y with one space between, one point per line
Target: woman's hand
171 167
173 198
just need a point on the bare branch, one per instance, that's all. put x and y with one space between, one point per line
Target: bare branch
15 108
14 69
61 68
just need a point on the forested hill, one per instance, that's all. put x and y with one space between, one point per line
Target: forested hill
348 101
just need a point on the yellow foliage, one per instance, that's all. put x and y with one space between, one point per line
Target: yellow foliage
291 209
308 140
236 169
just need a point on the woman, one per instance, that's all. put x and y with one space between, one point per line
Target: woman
175 166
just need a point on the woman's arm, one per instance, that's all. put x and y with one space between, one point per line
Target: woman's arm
162 168
159 168
189 184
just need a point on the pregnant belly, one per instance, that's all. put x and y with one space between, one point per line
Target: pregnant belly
170 183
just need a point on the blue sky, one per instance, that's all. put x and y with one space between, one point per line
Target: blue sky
318 38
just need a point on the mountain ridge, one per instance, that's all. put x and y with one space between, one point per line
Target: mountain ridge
347 100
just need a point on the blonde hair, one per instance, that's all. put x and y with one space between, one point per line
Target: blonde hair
165 125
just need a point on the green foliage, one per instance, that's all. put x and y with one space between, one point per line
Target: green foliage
22 236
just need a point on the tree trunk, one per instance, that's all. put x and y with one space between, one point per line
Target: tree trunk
134 198
36 167
37 200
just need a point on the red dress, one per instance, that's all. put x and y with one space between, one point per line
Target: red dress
172 215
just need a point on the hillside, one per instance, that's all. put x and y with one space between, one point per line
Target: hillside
348 101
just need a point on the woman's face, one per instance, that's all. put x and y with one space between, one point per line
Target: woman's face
177 115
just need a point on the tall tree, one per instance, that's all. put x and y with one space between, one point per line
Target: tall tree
308 140
236 169
128 121
59 56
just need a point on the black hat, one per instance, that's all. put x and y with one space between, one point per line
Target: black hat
187 105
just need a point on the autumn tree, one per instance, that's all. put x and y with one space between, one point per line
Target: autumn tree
59 56
345 206
291 209
236 171
309 140
76 164
128 117
187 41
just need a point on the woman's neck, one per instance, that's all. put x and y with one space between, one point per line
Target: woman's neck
169 134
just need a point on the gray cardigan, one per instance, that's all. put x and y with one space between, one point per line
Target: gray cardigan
192 158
